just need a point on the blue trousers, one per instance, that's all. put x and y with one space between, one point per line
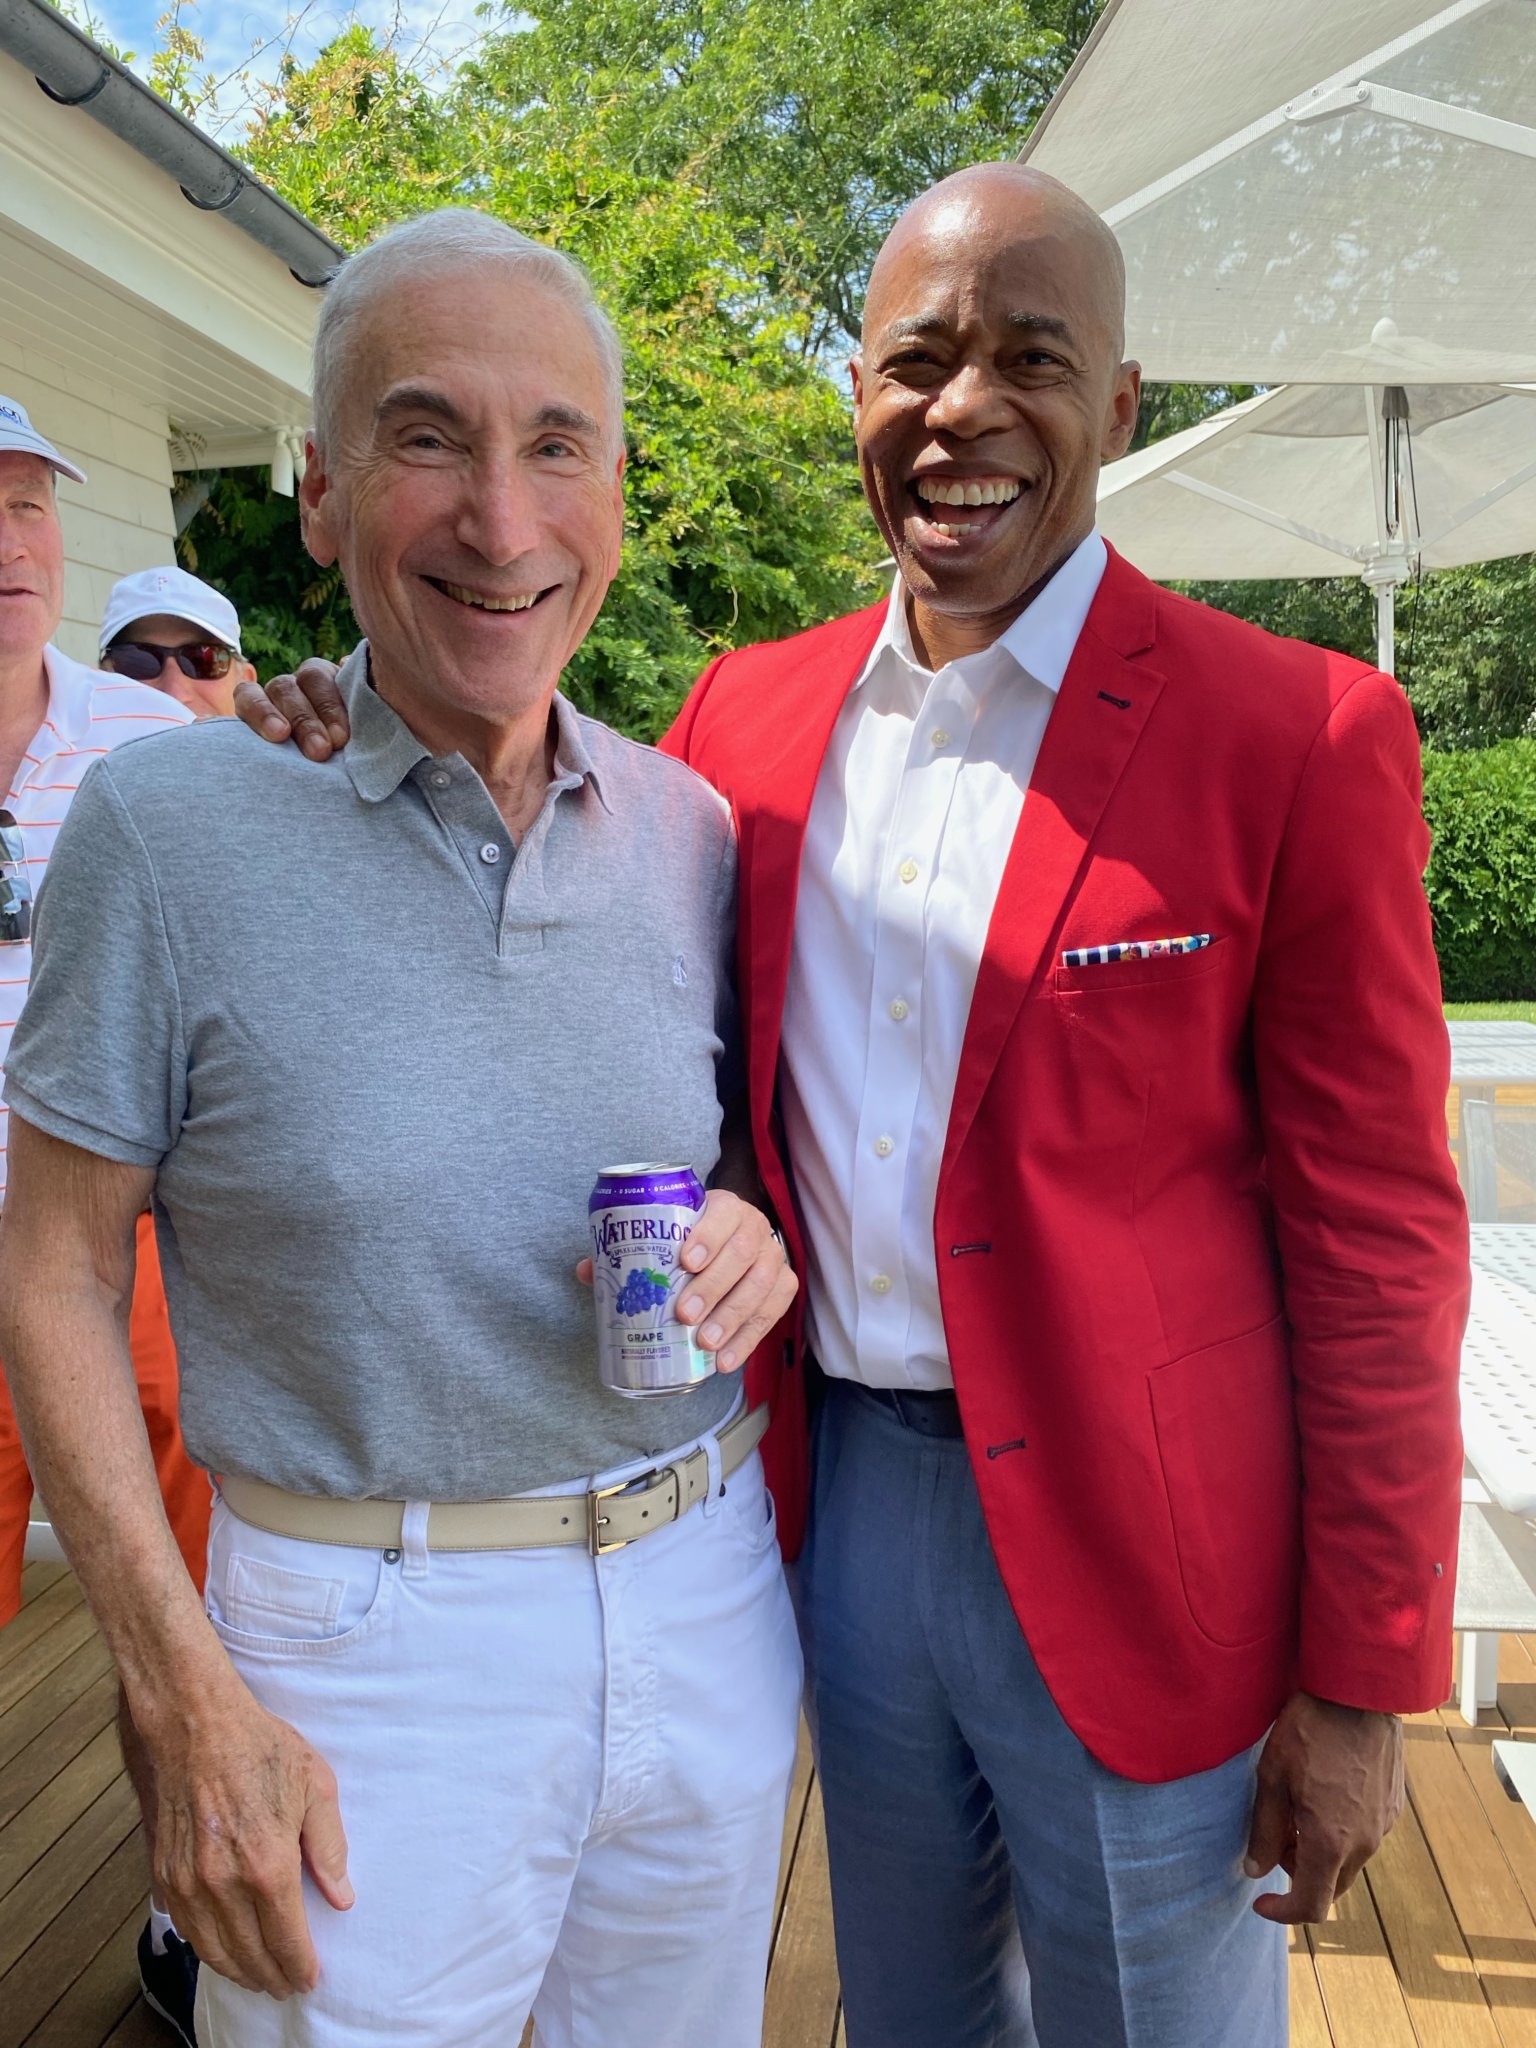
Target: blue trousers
993 1885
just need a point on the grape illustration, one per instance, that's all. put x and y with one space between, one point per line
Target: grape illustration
642 1290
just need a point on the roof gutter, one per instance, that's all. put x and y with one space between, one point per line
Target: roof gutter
76 72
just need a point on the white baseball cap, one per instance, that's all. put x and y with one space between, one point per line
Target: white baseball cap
19 436
174 594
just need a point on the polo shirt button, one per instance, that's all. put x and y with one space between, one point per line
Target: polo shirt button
899 1011
440 778
908 871
884 1147
939 737
881 1284
490 853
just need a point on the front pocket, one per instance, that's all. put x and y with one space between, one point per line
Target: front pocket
1160 970
268 1600
1226 1439
261 1607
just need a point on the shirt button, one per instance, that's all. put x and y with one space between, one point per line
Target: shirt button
440 778
881 1284
939 738
884 1147
899 1010
490 853
908 871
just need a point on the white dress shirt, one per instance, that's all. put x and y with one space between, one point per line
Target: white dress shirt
914 813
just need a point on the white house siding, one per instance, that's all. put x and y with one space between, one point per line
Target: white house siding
121 519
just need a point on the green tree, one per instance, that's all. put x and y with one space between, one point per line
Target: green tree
726 170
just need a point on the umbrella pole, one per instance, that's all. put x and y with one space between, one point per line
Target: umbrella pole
1386 594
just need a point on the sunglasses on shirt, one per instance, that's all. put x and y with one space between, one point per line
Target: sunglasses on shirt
15 888
142 661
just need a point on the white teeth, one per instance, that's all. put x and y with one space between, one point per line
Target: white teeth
489 604
940 491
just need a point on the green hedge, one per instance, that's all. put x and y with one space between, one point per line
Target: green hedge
1481 807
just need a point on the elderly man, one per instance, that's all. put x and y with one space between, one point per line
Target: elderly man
56 719
1088 978
168 628
494 1703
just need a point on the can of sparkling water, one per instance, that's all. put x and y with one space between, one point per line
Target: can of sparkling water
641 1217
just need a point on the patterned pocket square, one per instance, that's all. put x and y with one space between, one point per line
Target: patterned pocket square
1134 949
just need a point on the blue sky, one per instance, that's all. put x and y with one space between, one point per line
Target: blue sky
246 39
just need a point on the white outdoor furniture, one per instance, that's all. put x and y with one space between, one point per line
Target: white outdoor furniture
1496 1583
1515 1764
1495 1054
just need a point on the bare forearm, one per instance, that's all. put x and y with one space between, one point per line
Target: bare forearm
65 1346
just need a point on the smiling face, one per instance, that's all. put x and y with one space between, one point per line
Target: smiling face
31 563
988 392
213 697
471 492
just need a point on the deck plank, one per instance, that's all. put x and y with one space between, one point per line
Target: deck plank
1440 1986
1361 1994
34 1714
61 1954
55 1746
27 1667
802 2003
102 1993
794 1819
1491 1910
60 1803
138 2028
1309 2018
1511 1824
72 1861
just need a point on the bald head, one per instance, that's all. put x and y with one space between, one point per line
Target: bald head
1009 201
988 391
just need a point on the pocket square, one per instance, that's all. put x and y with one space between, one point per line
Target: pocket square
1134 949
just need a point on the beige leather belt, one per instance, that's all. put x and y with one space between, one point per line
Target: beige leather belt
604 1520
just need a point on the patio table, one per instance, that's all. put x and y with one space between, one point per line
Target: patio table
1488 1055
1498 1364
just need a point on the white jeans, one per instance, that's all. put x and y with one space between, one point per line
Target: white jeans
562 1779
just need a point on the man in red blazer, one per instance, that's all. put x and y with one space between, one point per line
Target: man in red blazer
1098 1076
1195 1258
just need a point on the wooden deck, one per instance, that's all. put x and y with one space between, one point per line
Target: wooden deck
1435 1948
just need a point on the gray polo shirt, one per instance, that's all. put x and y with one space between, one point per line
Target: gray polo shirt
378 1056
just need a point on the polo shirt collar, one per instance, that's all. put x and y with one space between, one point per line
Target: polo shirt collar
71 688
383 750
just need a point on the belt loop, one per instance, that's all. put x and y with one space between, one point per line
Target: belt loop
413 1539
716 1485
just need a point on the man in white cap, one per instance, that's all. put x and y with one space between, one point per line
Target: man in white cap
56 718
170 629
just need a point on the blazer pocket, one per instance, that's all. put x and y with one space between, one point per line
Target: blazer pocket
1226 1438
1162 970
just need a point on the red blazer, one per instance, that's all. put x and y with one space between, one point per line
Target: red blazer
1202 1255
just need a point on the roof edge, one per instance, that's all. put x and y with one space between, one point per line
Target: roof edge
76 72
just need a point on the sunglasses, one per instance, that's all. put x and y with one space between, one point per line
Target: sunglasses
142 661
15 888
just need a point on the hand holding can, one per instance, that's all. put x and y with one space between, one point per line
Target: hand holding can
641 1216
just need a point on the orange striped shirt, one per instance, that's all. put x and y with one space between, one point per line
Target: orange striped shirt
89 713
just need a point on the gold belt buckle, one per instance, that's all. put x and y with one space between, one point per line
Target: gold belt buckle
597 1521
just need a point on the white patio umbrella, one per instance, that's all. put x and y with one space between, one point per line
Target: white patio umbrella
1314 480
1284 178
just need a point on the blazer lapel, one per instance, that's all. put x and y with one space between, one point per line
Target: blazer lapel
1105 700
808 693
